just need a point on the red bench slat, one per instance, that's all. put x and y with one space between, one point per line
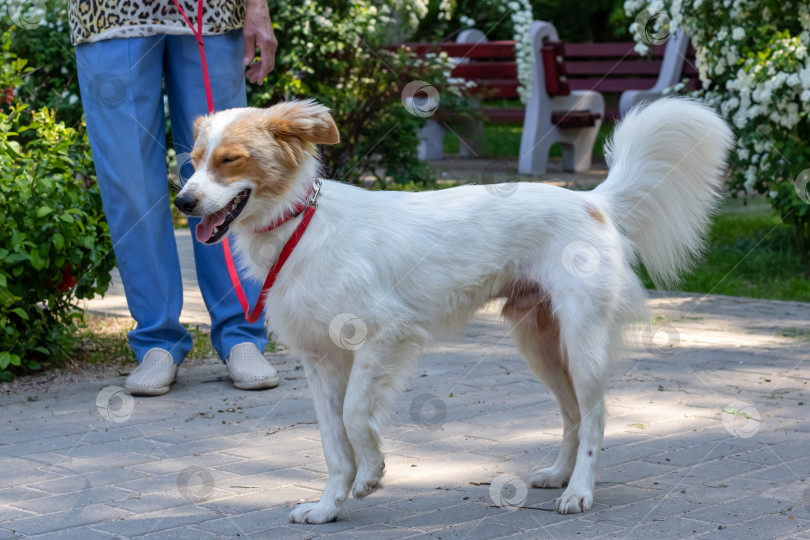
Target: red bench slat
487 49
486 70
610 68
619 50
496 88
611 85
574 119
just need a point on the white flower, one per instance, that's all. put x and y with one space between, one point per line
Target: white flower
738 34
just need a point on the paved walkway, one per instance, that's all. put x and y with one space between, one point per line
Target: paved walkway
708 435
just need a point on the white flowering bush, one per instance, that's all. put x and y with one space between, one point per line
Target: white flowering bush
754 68
520 11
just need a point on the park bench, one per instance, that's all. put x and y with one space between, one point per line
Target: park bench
567 103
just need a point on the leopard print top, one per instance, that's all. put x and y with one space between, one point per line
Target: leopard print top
94 20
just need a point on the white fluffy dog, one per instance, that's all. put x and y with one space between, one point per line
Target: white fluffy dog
414 266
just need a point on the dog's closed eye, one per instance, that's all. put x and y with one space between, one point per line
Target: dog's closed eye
231 159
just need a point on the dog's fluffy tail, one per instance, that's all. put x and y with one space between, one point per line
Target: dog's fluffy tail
667 162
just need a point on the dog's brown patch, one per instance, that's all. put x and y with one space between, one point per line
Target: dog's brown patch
275 143
248 152
523 296
596 214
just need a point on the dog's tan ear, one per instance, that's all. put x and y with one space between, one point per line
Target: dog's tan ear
305 120
198 126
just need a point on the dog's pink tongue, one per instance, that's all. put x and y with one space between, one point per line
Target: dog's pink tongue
205 228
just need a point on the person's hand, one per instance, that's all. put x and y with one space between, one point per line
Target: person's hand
258 32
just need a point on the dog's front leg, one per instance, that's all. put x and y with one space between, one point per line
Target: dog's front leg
327 378
378 373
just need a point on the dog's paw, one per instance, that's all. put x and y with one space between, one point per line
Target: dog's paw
368 480
314 513
574 501
364 487
550 477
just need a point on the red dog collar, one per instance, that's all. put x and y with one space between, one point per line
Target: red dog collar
307 207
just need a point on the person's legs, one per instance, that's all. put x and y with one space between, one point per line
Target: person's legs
187 101
120 82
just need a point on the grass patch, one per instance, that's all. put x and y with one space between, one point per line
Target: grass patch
503 141
753 255
798 333
104 340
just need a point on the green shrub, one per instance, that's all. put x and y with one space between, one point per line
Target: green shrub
42 37
56 247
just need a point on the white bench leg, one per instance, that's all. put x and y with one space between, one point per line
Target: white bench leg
471 138
431 141
578 148
534 152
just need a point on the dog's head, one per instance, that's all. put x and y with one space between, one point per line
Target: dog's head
247 159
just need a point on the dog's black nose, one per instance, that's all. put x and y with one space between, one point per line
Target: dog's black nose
185 203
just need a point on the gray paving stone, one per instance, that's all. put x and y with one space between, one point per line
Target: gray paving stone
5 534
153 522
8 513
166 482
740 510
483 527
22 477
672 527
70 484
13 495
85 515
71 501
373 531
669 469
262 520
180 533
85 533
632 471
92 459
775 526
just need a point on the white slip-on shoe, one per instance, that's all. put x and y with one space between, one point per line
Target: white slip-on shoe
154 375
249 369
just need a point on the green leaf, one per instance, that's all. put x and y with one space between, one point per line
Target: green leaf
37 261
21 313
13 148
17 257
5 359
43 211
6 298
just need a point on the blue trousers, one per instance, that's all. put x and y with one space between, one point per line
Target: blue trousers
121 82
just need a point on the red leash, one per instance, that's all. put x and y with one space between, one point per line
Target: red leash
288 248
308 207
